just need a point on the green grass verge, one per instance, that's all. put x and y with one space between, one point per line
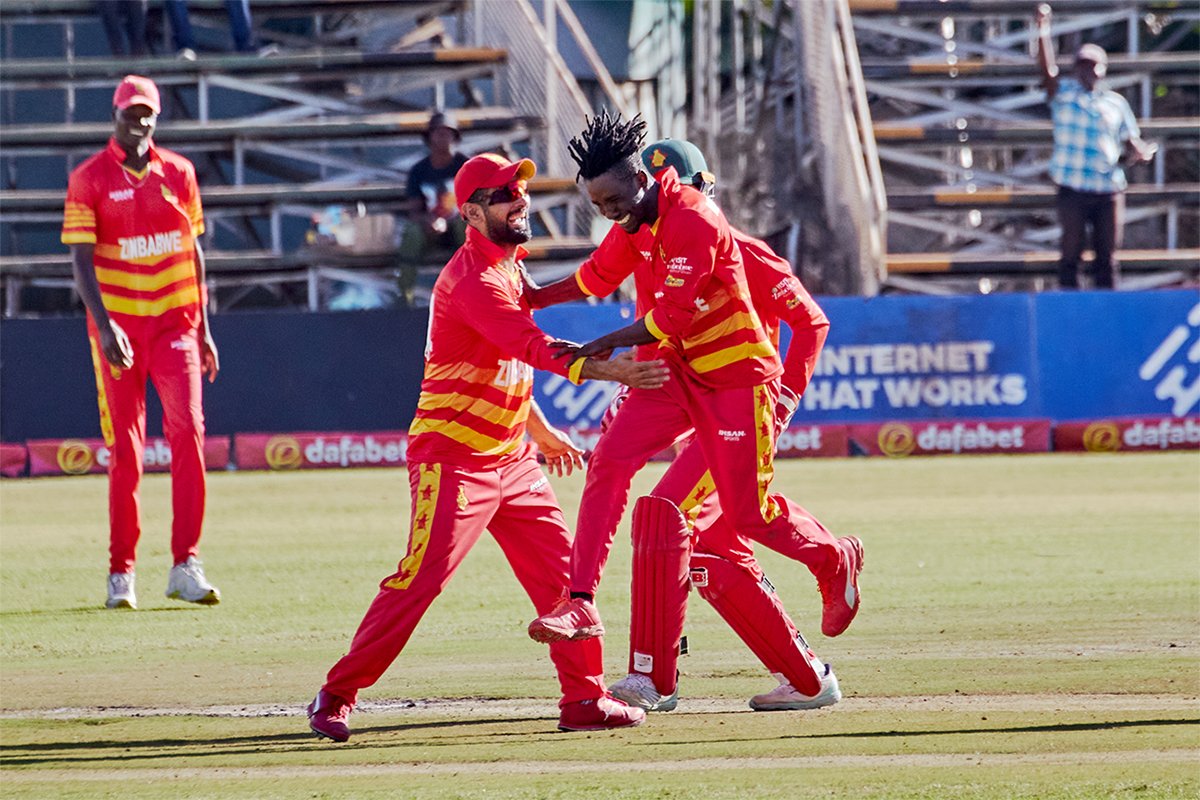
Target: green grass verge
1005 592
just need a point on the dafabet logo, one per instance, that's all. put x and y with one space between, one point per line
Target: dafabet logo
75 457
283 452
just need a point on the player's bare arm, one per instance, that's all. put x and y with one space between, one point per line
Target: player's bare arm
625 369
629 336
210 363
561 291
113 341
1046 64
562 455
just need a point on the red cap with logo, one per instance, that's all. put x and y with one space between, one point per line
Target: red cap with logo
134 90
489 171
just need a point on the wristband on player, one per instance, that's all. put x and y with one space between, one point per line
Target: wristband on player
574 371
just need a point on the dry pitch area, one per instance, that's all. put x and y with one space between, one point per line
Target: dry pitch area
1030 628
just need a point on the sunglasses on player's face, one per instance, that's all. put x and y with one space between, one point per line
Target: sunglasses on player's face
507 194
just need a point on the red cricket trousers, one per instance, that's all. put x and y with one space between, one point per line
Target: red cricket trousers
688 484
735 435
169 356
451 508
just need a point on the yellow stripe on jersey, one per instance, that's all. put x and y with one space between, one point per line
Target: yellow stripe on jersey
99 362
428 484
112 252
651 326
583 287
489 412
742 320
151 308
143 282
721 358
764 447
446 372
482 444
78 237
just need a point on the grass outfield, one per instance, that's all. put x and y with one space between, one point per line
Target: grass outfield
1030 629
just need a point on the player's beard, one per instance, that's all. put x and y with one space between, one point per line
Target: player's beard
504 232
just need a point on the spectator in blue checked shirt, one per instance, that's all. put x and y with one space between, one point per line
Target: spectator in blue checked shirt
1094 129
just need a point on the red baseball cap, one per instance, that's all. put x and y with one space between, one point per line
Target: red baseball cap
134 90
489 171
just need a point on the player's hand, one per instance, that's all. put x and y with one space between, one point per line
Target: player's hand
565 349
210 362
115 345
614 405
625 369
785 407
562 455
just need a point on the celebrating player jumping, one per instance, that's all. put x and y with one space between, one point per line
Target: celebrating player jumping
695 302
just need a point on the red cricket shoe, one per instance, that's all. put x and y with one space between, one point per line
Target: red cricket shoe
601 714
575 618
328 715
839 595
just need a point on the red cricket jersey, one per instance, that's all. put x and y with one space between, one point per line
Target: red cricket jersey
482 348
775 293
144 227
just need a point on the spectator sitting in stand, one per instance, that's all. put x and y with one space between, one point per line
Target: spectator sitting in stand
434 226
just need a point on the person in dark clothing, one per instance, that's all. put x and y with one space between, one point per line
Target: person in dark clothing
434 224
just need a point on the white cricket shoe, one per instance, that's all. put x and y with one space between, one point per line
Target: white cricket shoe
786 698
639 691
187 582
120 591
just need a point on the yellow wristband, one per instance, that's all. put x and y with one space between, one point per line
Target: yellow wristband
573 372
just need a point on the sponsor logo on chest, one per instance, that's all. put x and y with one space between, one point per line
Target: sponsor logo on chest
121 195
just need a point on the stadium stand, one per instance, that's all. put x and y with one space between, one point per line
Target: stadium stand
963 137
334 119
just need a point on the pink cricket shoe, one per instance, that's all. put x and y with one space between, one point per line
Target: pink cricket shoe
575 618
839 595
328 715
601 714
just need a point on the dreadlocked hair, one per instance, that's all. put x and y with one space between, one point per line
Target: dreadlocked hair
608 142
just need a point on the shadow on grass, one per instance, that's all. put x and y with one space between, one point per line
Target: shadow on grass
100 610
1065 727
71 753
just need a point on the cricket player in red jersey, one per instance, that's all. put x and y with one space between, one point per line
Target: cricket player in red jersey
724 384
132 219
468 464
723 567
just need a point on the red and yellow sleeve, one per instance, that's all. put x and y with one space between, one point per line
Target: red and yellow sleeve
79 213
194 211
612 262
500 318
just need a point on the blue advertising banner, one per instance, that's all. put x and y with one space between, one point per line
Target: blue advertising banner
1056 355
1105 354
924 358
